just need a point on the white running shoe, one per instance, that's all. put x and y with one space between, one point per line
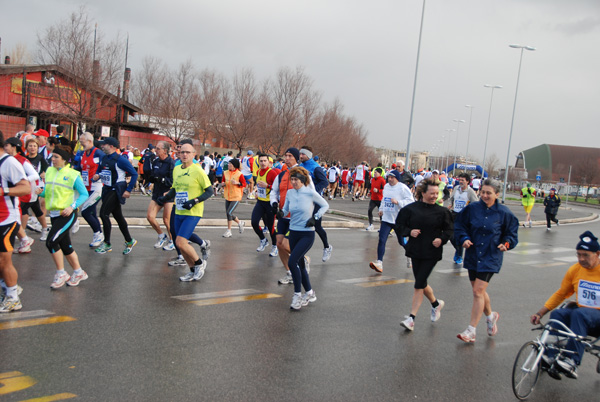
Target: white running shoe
263 245
97 240
408 323
436 312
44 235
187 277
75 227
59 280
370 228
327 253
177 261
170 246
227 234
309 297
274 251
377 266
296 302
162 239
287 279
75 279
467 336
205 249
241 226
26 245
199 271
492 325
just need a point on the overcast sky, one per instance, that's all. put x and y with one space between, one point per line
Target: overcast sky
364 53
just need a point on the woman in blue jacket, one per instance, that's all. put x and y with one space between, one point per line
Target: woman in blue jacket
299 202
486 229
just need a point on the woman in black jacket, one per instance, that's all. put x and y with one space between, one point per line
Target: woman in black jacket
428 227
551 204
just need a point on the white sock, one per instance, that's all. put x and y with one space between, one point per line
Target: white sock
297 293
12 292
61 271
490 317
77 271
472 329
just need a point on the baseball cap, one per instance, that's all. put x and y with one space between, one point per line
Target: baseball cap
42 133
110 141
14 141
436 171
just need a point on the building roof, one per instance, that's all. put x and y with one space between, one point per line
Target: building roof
10 69
555 160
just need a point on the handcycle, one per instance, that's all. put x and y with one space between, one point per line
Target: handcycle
532 358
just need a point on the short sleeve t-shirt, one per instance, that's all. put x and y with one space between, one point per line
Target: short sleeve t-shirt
189 183
11 171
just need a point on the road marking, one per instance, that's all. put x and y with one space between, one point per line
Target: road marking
567 259
14 381
51 398
234 299
366 279
35 321
384 283
25 314
540 264
209 295
542 251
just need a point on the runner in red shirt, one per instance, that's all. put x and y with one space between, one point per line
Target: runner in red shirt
377 184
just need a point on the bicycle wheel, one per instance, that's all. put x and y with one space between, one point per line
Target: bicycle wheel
525 371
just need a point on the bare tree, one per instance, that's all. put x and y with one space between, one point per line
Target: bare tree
237 110
585 172
19 54
205 102
92 67
492 165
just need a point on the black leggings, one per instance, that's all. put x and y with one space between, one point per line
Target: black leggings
35 208
230 206
112 205
262 210
319 229
421 270
59 236
549 218
372 205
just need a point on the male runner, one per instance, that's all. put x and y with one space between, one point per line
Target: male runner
265 177
161 174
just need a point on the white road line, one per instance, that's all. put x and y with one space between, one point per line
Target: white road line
25 314
209 295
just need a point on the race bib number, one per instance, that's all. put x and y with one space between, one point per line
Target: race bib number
86 178
588 294
459 205
106 177
180 199
387 204
261 192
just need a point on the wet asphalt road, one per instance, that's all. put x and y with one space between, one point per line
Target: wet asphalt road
133 332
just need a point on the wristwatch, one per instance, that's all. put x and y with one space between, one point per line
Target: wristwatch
6 190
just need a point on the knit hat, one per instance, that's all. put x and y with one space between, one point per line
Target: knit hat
588 242
235 162
295 152
394 173
62 153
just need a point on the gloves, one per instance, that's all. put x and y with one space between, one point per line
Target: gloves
275 208
280 214
161 201
189 204
310 222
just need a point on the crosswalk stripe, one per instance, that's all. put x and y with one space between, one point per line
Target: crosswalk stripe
25 314
234 299
541 251
52 398
35 321
383 283
209 295
567 259
366 279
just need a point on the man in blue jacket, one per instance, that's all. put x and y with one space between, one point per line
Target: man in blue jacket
113 170
319 178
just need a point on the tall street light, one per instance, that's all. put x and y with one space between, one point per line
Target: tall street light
456 146
449 130
469 135
412 106
531 48
488 127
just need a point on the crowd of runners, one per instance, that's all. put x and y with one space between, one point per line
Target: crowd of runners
425 210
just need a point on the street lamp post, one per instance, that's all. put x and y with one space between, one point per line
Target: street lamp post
449 130
469 135
488 127
512 122
456 146
412 105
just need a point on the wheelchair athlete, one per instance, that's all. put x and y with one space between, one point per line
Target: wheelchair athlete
582 279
